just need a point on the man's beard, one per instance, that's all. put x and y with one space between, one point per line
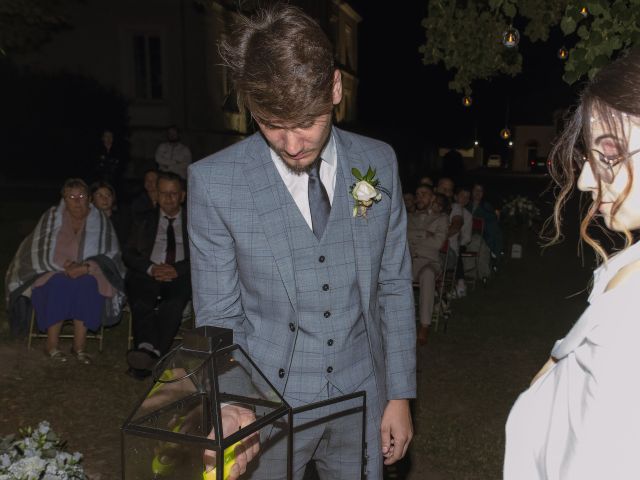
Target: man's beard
299 170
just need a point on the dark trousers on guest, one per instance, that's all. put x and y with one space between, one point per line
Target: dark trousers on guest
157 309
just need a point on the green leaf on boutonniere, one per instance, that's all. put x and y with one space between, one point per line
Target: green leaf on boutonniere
370 174
356 173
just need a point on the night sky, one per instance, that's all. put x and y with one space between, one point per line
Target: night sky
409 104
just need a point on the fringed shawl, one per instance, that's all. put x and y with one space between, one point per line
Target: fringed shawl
35 257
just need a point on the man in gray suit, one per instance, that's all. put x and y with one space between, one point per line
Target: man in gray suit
315 285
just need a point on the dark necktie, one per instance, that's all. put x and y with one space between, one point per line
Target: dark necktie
170 258
319 204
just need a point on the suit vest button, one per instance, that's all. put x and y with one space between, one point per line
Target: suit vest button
329 369
325 287
292 327
281 373
321 259
327 314
330 342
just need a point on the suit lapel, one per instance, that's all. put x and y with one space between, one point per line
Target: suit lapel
185 234
262 178
151 231
359 226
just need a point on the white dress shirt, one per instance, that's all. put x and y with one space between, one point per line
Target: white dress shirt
159 252
581 419
298 184
173 157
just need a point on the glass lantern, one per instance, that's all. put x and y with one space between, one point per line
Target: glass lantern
511 37
182 428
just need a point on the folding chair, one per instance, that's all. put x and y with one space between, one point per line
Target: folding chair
471 274
35 333
445 283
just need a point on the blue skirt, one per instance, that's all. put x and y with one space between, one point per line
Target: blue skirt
65 298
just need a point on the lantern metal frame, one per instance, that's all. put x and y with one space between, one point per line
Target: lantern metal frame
211 342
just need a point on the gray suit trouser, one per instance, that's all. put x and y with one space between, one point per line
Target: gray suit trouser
326 436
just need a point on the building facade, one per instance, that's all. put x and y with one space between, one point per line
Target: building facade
162 56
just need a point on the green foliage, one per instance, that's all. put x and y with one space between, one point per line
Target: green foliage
466 35
51 123
27 24
453 36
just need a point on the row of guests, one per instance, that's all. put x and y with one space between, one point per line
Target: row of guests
440 225
171 155
72 268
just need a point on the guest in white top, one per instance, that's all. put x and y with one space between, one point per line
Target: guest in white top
580 419
173 155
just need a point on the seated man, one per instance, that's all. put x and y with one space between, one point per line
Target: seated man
446 187
426 233
461 200
173 155
158 282
492 233
148 199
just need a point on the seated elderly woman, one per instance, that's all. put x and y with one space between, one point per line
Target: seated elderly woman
103 197
71 267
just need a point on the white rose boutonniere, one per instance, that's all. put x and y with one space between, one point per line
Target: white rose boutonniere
365 191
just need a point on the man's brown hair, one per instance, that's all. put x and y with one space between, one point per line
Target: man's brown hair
281 64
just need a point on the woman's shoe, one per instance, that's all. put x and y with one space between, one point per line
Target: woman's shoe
56 355
82 357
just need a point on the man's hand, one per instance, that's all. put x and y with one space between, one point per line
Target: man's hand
163 272
396 430
234 417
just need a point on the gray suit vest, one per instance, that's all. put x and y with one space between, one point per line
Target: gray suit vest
331 341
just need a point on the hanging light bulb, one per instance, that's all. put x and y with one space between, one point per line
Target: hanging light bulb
505 133
563 53
511 37
467 101
584 11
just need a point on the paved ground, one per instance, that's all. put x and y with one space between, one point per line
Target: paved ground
468 377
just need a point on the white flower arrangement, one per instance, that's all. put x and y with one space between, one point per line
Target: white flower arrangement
37 454
520 210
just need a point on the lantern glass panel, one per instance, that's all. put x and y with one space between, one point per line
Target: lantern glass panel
183 427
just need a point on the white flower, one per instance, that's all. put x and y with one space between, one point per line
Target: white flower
44 427
37 455
28 468
363 191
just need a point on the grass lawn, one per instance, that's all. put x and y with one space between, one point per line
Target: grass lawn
468 377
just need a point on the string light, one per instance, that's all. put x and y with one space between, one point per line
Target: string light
584 11
467 101
505 133
511 37
563 53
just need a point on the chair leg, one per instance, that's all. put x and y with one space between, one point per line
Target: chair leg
129 336
31 323
101 339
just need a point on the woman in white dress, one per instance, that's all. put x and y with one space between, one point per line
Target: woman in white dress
580 418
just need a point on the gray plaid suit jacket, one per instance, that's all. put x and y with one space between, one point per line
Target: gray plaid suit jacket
242 269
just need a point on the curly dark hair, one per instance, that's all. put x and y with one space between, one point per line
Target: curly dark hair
612 95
